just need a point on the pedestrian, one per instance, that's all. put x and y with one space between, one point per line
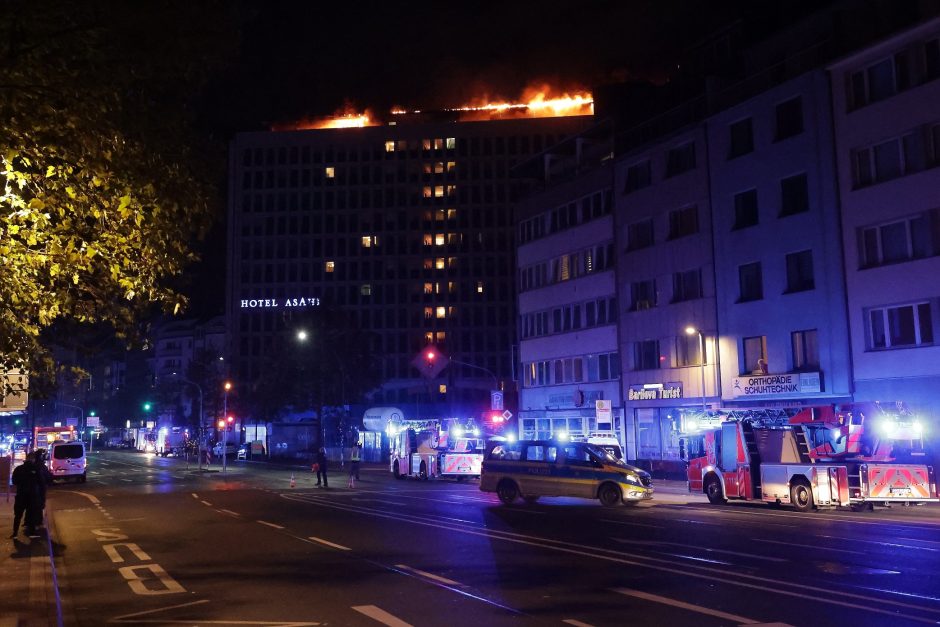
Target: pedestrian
355 457
45 480
353 466
26 478
321 468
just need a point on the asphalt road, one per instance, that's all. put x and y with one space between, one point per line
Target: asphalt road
154 541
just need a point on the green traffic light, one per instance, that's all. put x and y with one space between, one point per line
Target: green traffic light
92 413
17 421
147 406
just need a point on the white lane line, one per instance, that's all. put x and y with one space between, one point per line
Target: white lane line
632 524
228 511
919 540
178 476
432 576
195 496
206 503
328 543
739 620
808 546
881 543
127 480
652 543
90 497
269 524
576 623
380 615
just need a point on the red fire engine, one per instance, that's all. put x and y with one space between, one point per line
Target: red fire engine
807 461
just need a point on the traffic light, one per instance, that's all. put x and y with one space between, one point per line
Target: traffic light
221 424
92 413
495 417
230 420
430 355
16 422
147 406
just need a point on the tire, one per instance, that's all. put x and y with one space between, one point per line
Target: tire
530 500
713 491
423 471
83 478
609 495
461 478
396 472
507 491
801 496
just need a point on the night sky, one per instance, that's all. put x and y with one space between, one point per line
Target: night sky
310 59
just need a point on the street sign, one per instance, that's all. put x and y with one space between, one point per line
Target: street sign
14 396
507 414
93 421
496 399
603 410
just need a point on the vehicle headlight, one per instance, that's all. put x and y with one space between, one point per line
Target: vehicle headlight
632 478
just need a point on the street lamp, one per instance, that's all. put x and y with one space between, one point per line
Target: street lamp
690 330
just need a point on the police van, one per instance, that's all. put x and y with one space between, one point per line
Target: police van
534 468
67 460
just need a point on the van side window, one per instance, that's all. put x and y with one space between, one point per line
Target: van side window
577 455
535 453
505 452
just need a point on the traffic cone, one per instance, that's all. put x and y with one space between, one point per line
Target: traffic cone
293 482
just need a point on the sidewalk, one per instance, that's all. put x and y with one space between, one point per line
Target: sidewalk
28 594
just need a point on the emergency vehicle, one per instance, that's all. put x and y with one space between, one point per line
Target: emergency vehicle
804 461
434 448
43 437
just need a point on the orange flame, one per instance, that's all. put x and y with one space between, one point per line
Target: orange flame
341 119
536 102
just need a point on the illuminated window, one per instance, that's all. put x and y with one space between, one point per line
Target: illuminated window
367 241
439 263
428 264
429 337
439 215
330 172
390 146
427 168
439 167
427 191
441 312
428 312
439 191
426 144
451 287
439 239
428 239
451 143
442 388
453 238
451 166
451 214
479 287
451 190
432 288
366 290
438 144
451 262
330 266
439 337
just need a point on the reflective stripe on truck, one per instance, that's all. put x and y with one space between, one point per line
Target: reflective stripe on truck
897 481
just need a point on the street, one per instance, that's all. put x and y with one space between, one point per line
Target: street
149 540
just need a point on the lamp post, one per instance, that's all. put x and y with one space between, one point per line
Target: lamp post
690 330
469 365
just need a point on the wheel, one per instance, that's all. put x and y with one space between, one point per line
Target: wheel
530 500
507 491
609 495
396 472
423 471
461 478
83 478
801 496
713 491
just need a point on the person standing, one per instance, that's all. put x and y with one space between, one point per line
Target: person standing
321 467
356 457
353 466
26 478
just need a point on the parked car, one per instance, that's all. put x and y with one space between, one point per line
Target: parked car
231 449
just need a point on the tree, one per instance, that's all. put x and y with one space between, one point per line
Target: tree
102 193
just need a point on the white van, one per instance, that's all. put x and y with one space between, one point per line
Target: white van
66 460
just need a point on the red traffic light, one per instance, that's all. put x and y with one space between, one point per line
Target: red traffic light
231 419
430 355
496 417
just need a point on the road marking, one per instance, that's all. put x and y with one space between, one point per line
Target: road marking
740 620
632 524
701 548
919 540
206 503
808 546
576 623
90 497
438 578
161 609
194 495
380 615
127 480
228 511
891 544
269 524
332 544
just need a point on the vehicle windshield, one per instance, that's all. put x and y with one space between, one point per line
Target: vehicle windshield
602 454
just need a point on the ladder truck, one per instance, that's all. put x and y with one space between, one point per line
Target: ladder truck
776 461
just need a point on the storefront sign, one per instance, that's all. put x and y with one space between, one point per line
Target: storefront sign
603 410
272 303
655 391
776 385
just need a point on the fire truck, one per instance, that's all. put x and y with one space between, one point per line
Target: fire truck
434 448
805 461
44 436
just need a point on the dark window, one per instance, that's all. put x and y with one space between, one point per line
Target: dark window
745 209
751 282
638 177
686 285
643 295
683 222
932 59
912 238
789 118
646 355
805 350
680 159
906 325
742 138
640 235
800 271
794 195
688 350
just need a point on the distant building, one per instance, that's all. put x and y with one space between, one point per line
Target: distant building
886 111
407 227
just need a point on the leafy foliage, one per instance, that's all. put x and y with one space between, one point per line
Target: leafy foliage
101 192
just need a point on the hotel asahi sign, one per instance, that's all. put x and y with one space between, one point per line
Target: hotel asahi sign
793 384
277 303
